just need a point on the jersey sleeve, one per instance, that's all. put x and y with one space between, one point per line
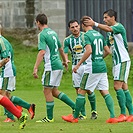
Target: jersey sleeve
3 49
117 28
86 40
41 42
66 47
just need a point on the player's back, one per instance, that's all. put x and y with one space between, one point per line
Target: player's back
97 42
51 44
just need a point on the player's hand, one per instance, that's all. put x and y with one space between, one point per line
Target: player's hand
35 73
75 69
66 65
89 22
68 61
4 61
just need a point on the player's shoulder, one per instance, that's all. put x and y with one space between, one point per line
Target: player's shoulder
4 41
92 33
118 25
118 28
68 37
82 33
2 38
48 31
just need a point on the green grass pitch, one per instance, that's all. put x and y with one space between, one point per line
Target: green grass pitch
30 89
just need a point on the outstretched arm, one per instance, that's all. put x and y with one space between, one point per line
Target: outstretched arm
91 22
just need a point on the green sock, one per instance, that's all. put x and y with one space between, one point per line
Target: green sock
80 101
92 100
9 114
121 100
20 102
49 107
110 105
63 97
129 102
83 112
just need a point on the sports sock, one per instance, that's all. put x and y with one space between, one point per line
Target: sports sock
110 105
63 97
92 100
5 102
129 101
83 112
9 114
20 102
80 102
49 107
121 100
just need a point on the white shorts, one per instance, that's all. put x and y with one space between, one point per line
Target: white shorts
52 78
121 71
77 77
8 83
97 81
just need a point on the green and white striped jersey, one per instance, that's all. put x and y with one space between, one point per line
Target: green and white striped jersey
76 47
6 50
118 42
49 41
97 42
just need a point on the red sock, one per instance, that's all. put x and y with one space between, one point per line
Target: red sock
5 102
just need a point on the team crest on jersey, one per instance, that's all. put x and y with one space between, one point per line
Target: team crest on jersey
111 40
78 48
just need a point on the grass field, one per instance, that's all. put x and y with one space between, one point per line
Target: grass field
30 89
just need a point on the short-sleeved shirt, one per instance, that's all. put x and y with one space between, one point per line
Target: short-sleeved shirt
118 42
97 42
49 41
6 50
76 47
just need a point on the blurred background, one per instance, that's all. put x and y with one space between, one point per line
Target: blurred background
18 16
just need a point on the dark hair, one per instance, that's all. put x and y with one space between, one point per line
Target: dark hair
42 18
83 19
72 21
111 13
